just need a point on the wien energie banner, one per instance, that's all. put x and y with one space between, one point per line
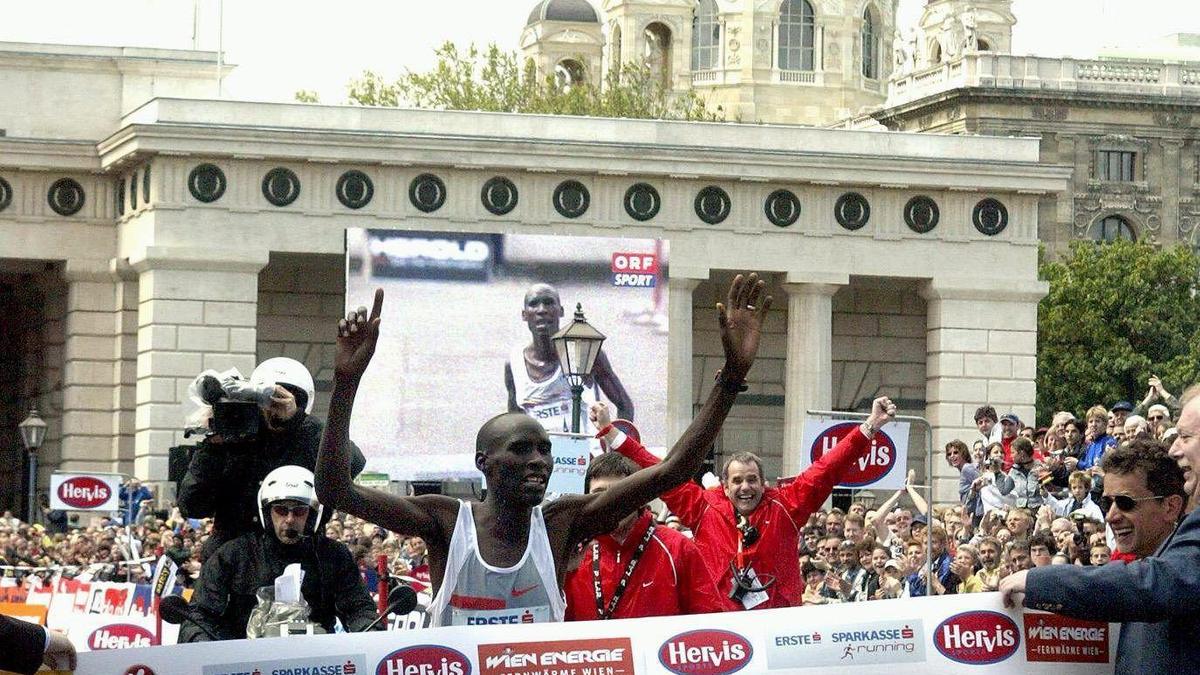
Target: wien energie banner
950 634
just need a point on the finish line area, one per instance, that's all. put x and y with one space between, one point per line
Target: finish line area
944 634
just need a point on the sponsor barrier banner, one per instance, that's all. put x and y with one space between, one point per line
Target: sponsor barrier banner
85 491
883 468
99 632
951 634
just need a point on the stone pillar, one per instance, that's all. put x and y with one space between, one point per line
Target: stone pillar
1173 172
680 388
981 349
808 375
90 354
197 309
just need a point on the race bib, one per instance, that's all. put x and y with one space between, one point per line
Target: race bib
754 598
553 415
488 617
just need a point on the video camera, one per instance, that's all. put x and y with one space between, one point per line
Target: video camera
234 403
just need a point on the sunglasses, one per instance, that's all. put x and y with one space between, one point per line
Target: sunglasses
1124 502
1155 418
283 511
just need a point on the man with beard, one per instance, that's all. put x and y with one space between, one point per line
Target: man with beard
504 560
534 378
230 578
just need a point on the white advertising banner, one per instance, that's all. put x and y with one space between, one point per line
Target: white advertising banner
85 491
947 634
882 468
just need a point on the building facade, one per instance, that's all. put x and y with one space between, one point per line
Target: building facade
160 235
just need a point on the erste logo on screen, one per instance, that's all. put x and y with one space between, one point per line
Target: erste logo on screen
706 652
978 637
637 270
867 469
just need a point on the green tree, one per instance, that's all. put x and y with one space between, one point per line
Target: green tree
307 96
1115 315
497 81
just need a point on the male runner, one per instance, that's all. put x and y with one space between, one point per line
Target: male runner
504 560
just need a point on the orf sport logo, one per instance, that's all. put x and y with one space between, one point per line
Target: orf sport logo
119 636
977 638
868 468
424 660
706 652
83 492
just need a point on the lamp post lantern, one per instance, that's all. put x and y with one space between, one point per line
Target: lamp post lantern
33 434
577 346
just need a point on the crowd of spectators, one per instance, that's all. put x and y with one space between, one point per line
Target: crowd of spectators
1028 497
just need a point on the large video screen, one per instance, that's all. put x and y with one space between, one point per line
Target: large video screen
467 322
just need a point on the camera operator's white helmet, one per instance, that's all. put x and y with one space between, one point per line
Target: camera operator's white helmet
282 370
289 483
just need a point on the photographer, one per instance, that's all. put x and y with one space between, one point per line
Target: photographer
223 475
1024 479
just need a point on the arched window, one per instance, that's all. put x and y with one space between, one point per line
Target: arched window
569 73
706 36
658 53
614 46
1110 229
870 50
797 35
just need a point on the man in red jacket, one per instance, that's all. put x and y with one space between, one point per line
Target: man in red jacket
643 569
748 533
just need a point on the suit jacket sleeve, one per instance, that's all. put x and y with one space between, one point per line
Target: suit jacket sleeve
24 645
806 494
686 501
1158 588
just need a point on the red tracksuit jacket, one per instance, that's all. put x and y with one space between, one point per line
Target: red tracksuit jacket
670 578
779 517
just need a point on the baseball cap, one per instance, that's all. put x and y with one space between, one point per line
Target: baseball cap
1122 405
1011 417
921 519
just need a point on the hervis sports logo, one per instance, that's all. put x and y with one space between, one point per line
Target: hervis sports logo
706 652
977 637
425 660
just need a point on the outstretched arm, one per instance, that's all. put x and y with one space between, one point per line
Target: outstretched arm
357 337
741 319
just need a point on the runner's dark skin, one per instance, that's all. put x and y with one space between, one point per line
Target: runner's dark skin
542 311
513 453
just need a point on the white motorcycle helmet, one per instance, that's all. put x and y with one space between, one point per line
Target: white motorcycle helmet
290 373
289 483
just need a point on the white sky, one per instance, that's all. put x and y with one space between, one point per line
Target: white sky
280 46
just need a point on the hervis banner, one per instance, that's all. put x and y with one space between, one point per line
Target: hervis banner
85 491
881 468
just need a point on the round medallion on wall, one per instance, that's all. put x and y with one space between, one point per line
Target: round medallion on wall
852 211
499 195
571 199
281 186
642 201
354 189
133 191
6 194
712 204
921 214
427 192
146 185
119 197
65 196
782 208
206 182
990 216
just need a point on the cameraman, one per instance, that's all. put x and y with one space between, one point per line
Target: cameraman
223 477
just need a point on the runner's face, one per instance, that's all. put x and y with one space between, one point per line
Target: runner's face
600 485
744 486
518 463
542 310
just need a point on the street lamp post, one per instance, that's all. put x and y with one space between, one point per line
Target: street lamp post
577 346
33 433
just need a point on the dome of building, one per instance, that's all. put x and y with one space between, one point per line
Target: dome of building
563 10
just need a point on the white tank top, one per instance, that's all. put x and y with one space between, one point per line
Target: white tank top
548 401
474 592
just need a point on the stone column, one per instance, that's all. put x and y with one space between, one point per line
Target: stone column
1173 171
981 349
90 353
680 388
808 376
197 309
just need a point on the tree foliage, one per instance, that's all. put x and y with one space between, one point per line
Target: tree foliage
497 81
1115 315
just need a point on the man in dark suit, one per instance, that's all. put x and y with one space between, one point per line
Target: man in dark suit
28 645
1156 598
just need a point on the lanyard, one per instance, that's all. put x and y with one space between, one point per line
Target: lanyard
620 590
